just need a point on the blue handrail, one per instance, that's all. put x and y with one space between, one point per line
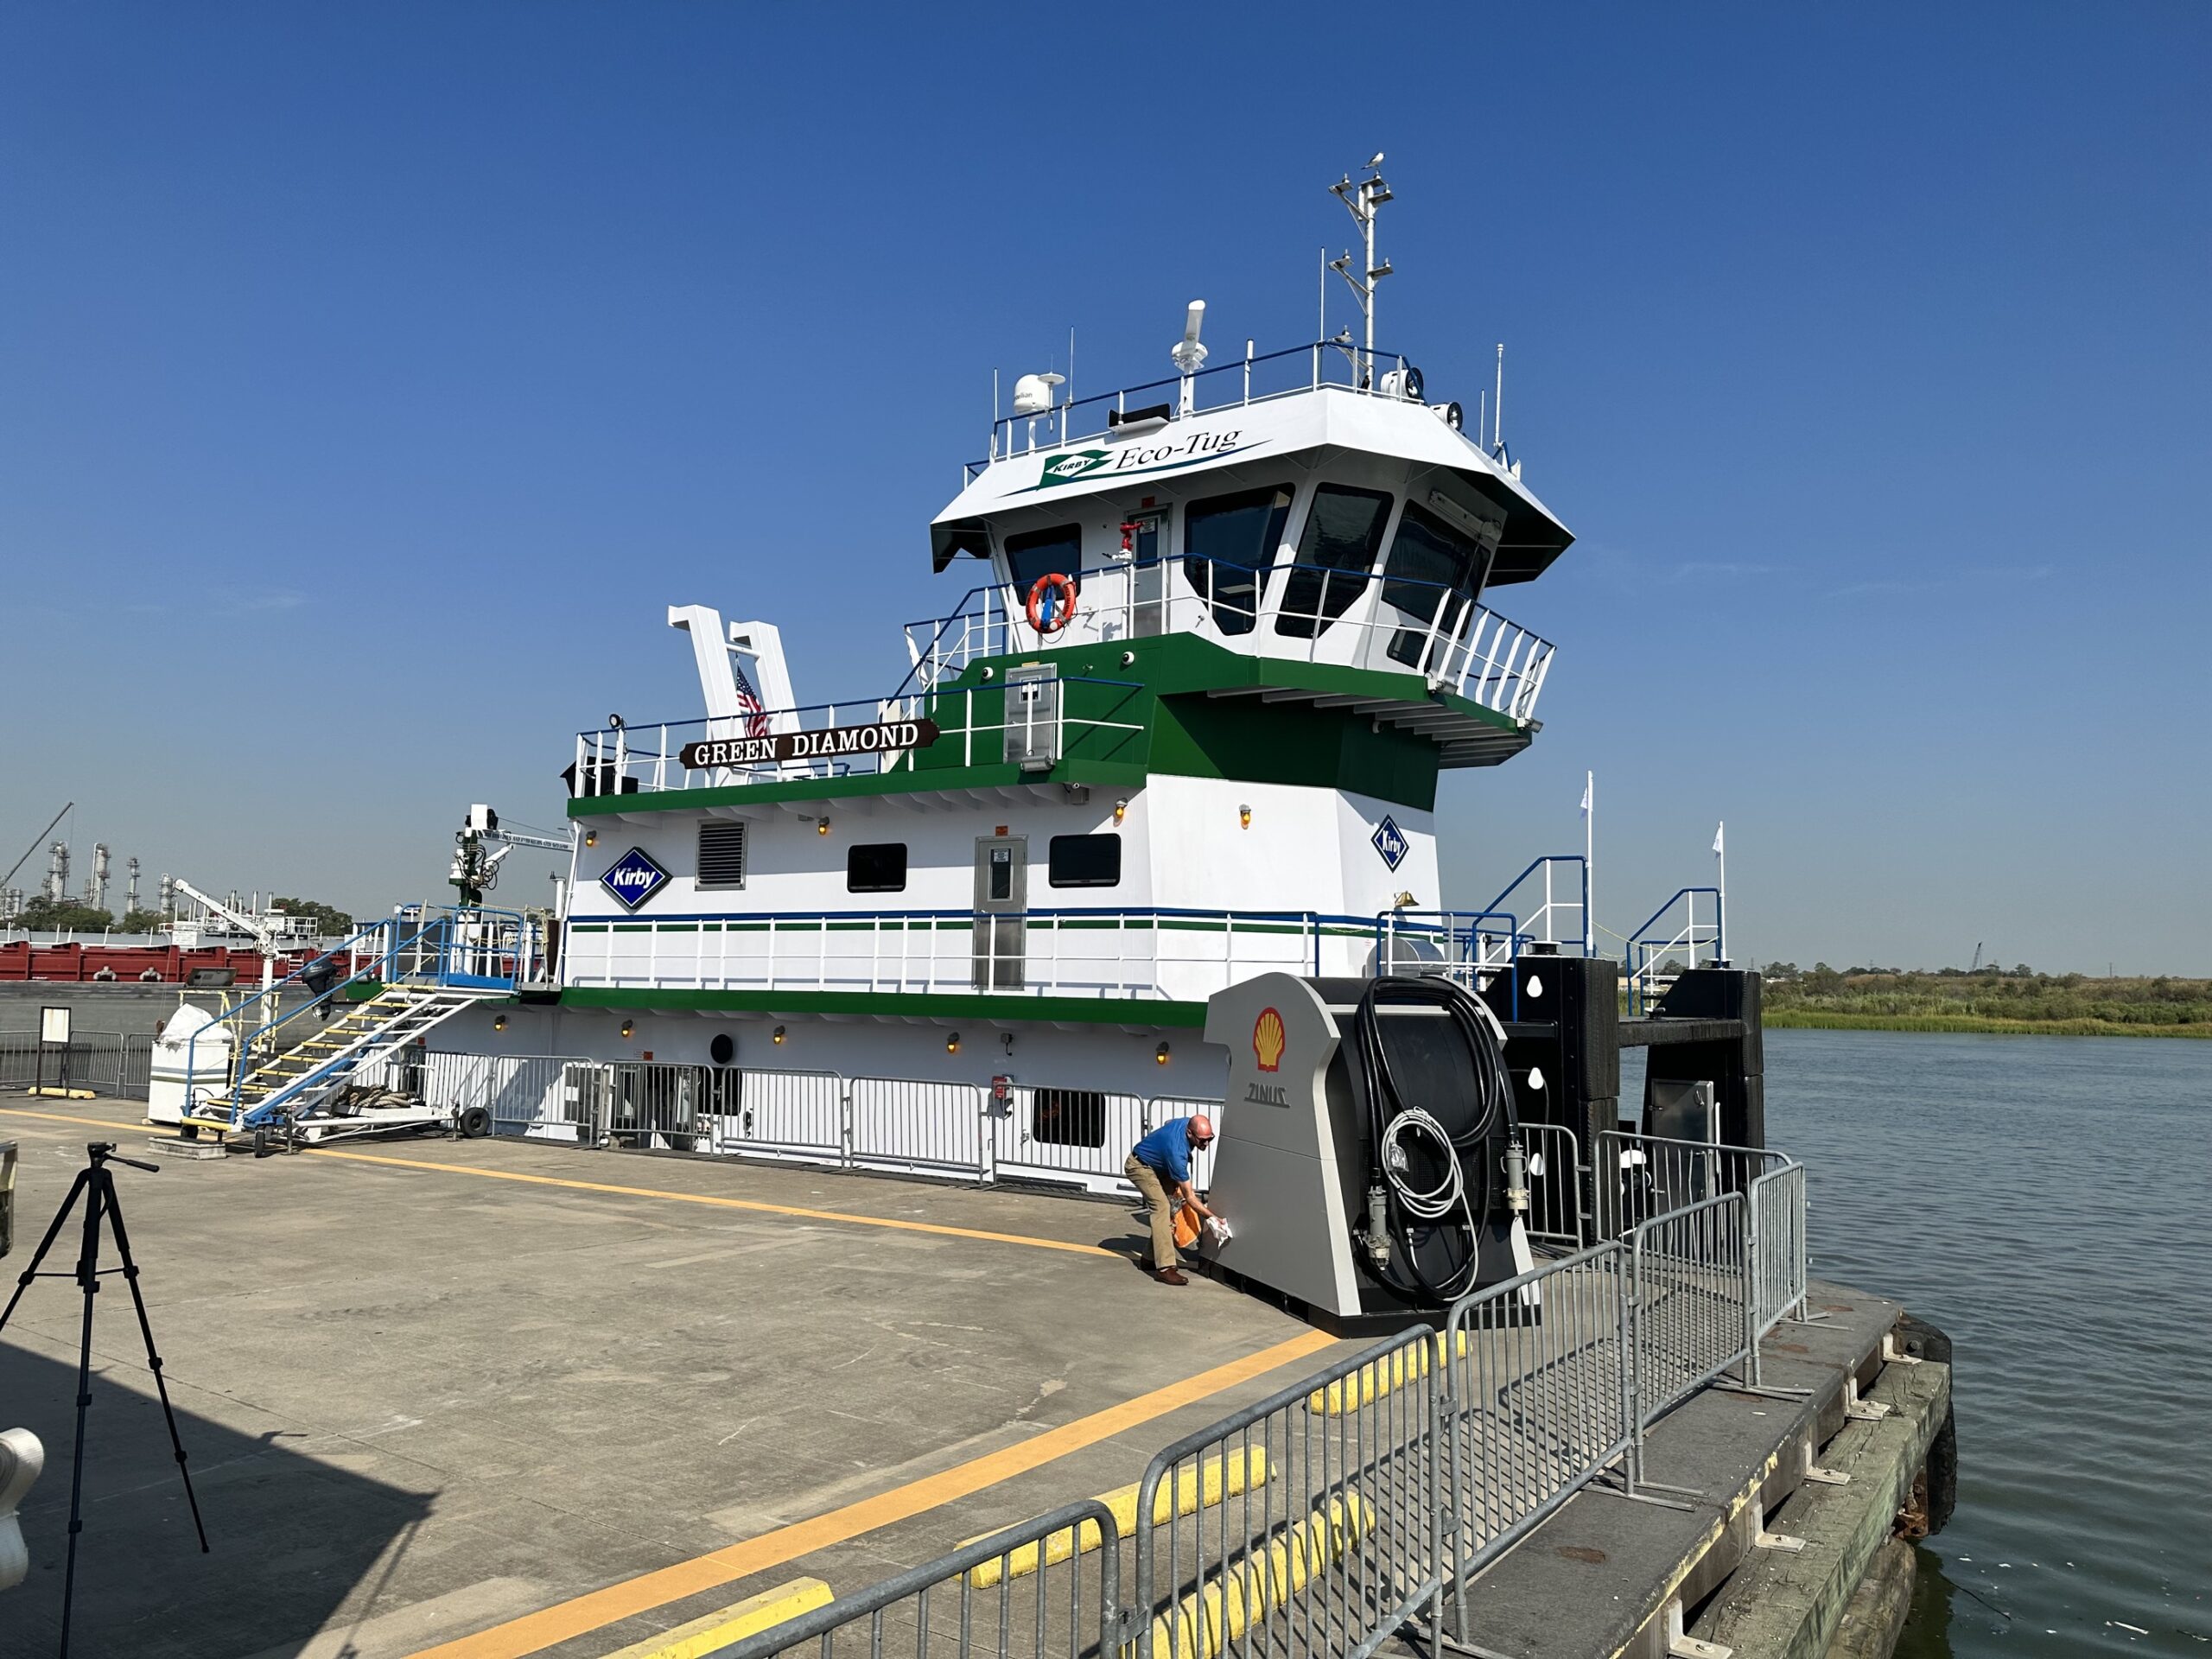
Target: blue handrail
385 966
1582 869
1642 941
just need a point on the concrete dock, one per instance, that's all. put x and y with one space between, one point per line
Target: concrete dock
478 1398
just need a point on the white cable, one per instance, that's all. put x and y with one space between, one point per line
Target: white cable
1448 1194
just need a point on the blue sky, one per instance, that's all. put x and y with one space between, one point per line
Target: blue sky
372 377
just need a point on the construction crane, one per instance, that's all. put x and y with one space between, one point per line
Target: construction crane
481 846
27 851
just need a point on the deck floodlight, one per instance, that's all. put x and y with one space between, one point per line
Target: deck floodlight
778 1037
952 1042
1244 817
1160 1055
628 1026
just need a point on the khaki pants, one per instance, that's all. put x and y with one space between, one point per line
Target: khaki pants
1146 1181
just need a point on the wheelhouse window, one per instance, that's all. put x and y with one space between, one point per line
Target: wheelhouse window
1043 553
876 867
1433 573
1085 860
721 854
1229 542
1336 552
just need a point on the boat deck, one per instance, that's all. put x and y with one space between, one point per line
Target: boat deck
473 1398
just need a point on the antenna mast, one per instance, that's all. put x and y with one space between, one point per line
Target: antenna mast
1363 200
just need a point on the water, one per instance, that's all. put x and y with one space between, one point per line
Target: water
2045 1201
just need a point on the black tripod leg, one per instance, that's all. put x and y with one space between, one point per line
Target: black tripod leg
88 1280
76 1191
153 1360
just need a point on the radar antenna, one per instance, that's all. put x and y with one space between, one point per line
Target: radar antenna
1363 201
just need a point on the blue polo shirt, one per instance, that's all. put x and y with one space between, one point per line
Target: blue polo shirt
1167 1151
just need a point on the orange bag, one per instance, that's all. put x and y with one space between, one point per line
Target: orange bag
1187 1226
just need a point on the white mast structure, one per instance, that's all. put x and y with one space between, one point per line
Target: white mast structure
1363 200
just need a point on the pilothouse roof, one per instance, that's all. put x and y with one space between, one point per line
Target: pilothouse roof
1301 425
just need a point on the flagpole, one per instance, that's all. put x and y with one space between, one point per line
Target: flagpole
1589 859
1720 908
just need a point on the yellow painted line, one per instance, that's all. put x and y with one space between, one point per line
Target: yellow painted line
935 1228
1386 1376
67 1117
535 1632
727 1626
710 1200
1201 1486
1240 1595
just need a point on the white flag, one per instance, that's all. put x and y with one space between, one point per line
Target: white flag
1718 832
1589 781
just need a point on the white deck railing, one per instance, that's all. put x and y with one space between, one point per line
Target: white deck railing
1288 613
1144 954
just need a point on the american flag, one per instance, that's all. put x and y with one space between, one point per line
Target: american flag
748 701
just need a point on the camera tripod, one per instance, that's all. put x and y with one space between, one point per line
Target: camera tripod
95 1184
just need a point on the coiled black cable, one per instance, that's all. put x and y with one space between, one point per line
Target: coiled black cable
1389 1115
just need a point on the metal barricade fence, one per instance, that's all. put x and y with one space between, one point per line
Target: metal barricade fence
656 1106
1555 1185
1534 1401
523 1092
1307 1523
794 1115
1027 1592
116 1064
1689 1306
1638 1176
905 1123
1778 1247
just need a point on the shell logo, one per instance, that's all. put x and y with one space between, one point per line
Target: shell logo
1267 1039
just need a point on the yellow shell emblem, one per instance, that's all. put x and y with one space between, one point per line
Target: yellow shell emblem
1267 1040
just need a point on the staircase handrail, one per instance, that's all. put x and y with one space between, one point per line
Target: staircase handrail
1582 869
1645 947
440 920
233 1016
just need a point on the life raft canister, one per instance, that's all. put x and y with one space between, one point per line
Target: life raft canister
1052 602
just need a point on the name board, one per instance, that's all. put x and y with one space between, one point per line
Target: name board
828 744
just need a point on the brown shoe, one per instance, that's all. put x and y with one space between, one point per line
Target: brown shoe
1171 1276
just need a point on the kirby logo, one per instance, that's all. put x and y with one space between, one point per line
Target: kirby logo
1268 1040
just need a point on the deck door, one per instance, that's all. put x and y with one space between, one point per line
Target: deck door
1001 897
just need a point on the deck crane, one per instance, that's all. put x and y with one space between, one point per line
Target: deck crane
264 935
480 845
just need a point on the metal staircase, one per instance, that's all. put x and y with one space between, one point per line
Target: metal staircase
418 974
295 1081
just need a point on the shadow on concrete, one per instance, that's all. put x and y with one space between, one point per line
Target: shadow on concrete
290 1535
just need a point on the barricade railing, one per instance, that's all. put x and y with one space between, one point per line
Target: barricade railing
1689 1306
1778 1246
115 1063
1047 1589
1326 1535
1066 1135
1554 1214
1639 1176
799 1116
1322 1519
523 1092
1535 1404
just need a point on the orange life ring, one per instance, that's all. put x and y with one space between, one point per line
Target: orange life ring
1049 617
